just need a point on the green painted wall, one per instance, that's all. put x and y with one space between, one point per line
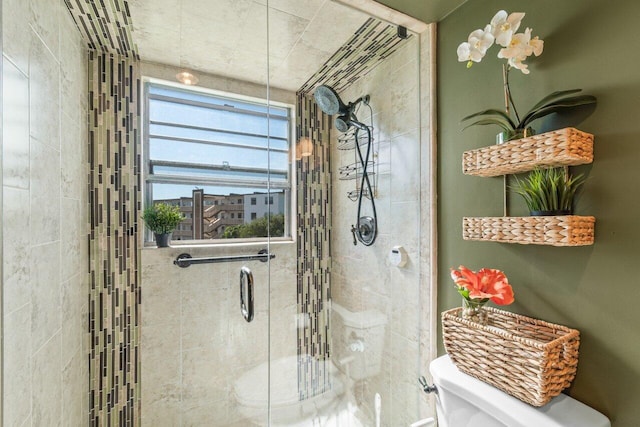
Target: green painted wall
589 44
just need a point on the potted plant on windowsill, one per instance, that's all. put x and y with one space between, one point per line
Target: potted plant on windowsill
549 192
162 219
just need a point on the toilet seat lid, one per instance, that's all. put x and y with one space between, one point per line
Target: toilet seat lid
561 411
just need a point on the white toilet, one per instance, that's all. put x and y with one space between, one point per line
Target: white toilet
357 343
251 393
463 401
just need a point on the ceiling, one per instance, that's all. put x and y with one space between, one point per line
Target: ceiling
229 37
425 10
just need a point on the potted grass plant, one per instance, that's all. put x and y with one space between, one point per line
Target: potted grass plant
162 219
549 191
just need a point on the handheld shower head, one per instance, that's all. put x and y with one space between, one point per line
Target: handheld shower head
343 123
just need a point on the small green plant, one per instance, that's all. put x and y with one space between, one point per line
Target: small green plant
549 189
162 218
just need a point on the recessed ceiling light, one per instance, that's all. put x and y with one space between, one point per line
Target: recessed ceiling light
187 78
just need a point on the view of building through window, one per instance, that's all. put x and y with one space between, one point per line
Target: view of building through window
210 216
223 159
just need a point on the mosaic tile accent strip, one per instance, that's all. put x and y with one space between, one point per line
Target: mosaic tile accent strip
314 249
114 252
105 25
368 47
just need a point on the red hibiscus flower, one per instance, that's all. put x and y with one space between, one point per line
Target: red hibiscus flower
486 284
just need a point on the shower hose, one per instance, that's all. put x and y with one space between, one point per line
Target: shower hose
362 229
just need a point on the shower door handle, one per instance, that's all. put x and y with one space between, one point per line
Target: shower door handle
246 298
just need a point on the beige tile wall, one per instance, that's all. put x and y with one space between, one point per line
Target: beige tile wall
362 277
194 340
44 216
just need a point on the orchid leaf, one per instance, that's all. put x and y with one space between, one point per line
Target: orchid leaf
491 121
492 112
556 106
554 95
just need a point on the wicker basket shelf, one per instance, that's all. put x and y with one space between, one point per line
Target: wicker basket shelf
563 147
527 358
568 230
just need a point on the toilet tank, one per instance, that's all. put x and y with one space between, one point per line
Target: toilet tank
358 341
464 401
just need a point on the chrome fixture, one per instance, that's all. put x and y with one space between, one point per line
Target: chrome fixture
185 260
246 305
330 103
426 387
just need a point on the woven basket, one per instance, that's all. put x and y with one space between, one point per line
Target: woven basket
563 147
527 358
566 230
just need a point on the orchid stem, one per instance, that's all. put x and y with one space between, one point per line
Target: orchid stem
508 99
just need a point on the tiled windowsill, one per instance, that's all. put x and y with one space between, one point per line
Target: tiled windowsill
196 244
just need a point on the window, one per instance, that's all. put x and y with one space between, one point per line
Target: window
205 149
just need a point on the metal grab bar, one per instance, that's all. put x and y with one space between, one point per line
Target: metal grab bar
185 260
246 306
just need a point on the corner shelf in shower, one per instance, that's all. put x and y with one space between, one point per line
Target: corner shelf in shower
563 147
353 171
347 141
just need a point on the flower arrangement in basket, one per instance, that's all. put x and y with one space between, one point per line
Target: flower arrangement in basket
516 48
530 359
479 288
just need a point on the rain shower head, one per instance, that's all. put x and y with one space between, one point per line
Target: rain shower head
330 103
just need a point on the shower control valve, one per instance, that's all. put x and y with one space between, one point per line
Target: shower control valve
353 231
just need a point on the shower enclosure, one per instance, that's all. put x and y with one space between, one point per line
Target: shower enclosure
338 334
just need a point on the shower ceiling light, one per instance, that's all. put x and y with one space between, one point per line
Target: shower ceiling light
187 78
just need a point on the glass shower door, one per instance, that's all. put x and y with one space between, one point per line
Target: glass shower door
205 327
345 322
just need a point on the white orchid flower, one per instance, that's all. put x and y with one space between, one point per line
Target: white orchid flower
503 26
476 47
517 63
537 45
520 48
